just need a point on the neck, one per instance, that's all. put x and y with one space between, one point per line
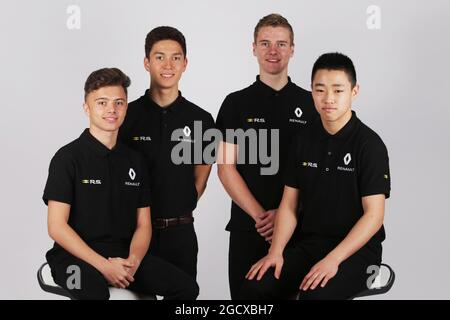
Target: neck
275 81
107 138
163 97
333 127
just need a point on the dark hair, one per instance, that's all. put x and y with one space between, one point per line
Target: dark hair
273 20
164 33
335 61
104 78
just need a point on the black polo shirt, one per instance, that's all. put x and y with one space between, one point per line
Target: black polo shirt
259 106
148 128
333 173
103 187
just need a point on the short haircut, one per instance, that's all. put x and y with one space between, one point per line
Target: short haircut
106 77
164 33
273 20
335 61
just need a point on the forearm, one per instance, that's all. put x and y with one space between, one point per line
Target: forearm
366 227
285 224
239 191
70 241
140 243
200 187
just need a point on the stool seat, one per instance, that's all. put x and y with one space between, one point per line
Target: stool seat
47 284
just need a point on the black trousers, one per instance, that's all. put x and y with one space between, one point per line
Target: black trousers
154 276
350 279
246 248
177 245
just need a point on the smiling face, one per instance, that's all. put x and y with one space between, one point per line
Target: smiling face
333 95
273 49
165 63
106 108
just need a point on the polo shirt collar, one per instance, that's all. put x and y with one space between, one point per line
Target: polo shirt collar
343 134
174 106
96 146
269 91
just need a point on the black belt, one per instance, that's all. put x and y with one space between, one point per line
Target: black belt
161 223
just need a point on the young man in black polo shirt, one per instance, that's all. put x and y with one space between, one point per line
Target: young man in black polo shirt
149 125
271 104
339 169
98 207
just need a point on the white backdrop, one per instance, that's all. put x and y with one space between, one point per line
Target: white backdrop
402 68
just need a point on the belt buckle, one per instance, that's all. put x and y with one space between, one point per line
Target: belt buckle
166 223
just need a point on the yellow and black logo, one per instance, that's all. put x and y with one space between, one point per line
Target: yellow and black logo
91 181
141 138
255 120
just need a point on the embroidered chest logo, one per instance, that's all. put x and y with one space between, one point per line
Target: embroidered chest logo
347 159
132 175
187 131
187 135
141 138
91 181
255 120
309 164
298 114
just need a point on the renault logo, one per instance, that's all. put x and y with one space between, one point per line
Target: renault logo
186 131
347 158
132 174
298 112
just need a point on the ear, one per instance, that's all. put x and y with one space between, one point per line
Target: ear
185 64
292 50
86 108
147 64
254 48
355 91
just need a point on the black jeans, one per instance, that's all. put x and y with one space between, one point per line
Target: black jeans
154 276
246 248
350 279
177 245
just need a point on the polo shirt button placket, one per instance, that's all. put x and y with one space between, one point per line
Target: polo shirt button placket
164 116
328 159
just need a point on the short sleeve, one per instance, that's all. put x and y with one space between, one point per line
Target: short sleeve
293 166
145 193
60 181
374 177
227 119
208 146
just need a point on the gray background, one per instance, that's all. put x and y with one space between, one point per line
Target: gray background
403 71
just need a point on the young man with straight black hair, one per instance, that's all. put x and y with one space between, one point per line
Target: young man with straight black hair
339 171
149 127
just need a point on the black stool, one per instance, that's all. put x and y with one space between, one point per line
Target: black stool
46 282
